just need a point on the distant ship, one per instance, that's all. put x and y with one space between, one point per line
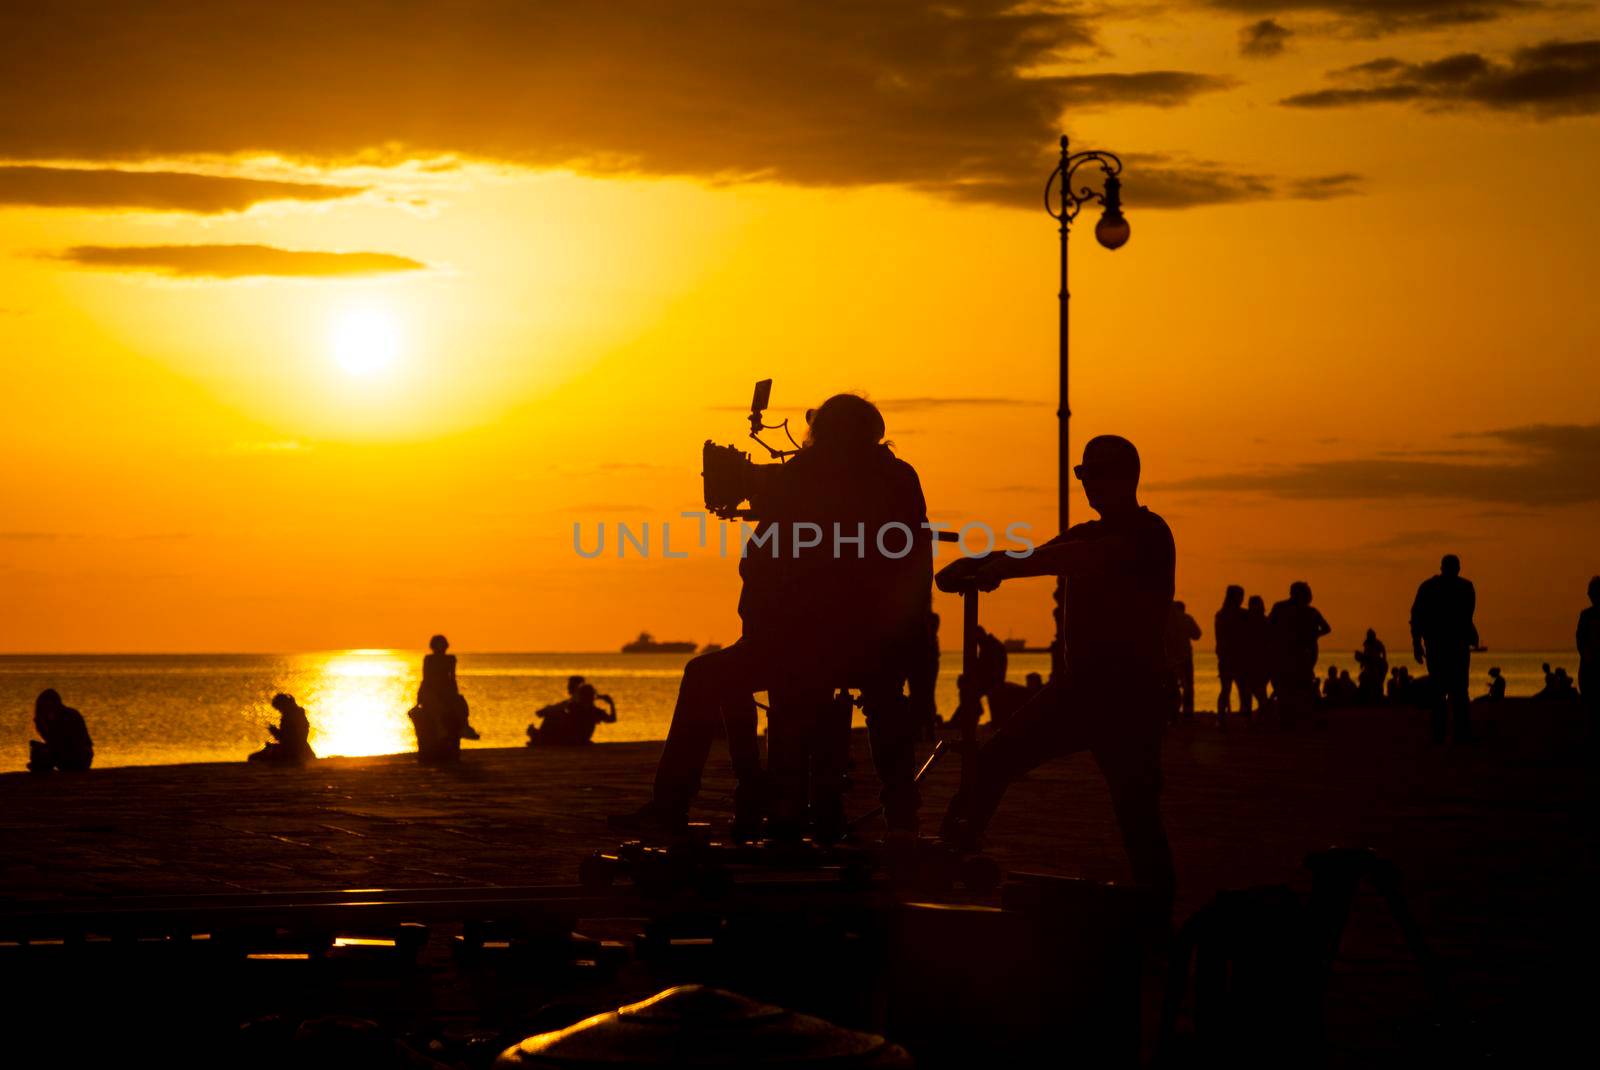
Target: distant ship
1020 646
646 644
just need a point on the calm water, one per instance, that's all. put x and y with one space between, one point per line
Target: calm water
155 709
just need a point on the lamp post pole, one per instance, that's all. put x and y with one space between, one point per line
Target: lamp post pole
1111 231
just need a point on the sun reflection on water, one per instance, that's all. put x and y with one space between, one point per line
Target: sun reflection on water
357 702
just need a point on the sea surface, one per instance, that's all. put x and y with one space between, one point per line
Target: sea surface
152 709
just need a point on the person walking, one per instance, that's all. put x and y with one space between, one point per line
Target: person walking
1443 637
1228 630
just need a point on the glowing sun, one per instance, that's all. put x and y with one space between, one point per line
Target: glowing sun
365 340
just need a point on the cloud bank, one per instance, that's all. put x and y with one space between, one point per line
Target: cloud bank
1536 465
1554 78
1376 18
959 98
235 261
161 191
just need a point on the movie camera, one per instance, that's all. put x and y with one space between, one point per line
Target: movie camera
731 478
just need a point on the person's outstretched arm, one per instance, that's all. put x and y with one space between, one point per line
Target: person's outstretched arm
611 716
1058 557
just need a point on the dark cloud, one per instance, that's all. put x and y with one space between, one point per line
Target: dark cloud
940 95
1539 465
235 261
1374 18
162 191
1545 80
1155 180
1261 40
1322 188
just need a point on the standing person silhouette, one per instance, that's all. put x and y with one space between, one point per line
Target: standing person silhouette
1296 627
1182 631
1113 694
1255 657
1589 655
1442 637
1228 630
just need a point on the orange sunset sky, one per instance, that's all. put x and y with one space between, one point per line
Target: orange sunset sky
322 324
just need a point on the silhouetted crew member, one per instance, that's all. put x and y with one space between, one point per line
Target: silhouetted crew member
1442 636
1296 627
1228 630
923 679
1373 660
1182 631
1589 654
813 615
66 745
1112 695
1497 685
291 736
1255 656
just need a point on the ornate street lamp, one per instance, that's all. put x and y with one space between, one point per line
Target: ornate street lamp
1111 231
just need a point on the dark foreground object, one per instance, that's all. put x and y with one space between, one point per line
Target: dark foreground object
1495 843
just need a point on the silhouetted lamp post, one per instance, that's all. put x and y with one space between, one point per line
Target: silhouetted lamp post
1111 231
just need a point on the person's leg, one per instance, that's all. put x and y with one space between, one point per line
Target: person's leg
1438 700
1130 758
741 725
791 727
1046 726
709 681
1225 674
892 732
1459 684
830 763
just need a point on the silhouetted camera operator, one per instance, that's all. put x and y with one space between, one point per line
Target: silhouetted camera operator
837 583
1113 697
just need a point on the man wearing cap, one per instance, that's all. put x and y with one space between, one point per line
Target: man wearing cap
1112 697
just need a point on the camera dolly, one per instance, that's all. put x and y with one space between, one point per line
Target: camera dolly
697 862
